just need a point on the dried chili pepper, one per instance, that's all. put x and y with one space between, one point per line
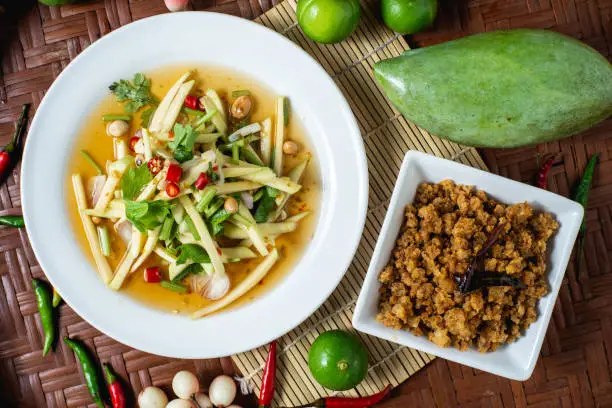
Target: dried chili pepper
114 388
269 378
45 308
342 402
490 279
542 178
90 371
582 197
464 282
12 221
10 154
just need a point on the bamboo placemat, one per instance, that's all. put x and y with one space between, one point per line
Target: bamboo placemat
387 136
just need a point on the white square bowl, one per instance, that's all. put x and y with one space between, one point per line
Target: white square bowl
517 360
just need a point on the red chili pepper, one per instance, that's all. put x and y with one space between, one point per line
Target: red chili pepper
152 275
133 142
542 180
155 165
172 189
114 388
171 135
342 402
7 156
202 181
174 173
269 378
192 102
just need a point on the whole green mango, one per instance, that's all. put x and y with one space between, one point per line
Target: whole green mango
501 89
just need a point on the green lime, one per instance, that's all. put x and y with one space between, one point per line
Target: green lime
56 2
328 21
408 16
337 360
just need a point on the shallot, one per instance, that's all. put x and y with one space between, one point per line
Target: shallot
94 186
177 5
152 397
222 391
185 384
216 287
203 400
247 199
181 403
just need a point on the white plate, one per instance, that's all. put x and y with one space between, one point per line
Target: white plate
200 38
517 360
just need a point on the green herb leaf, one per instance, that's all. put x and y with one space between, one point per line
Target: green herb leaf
266 203
147 215
194 268
182 155
145 117
134 180
137 92
184 135
193 253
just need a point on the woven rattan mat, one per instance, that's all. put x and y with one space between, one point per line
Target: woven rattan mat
575 368
387 136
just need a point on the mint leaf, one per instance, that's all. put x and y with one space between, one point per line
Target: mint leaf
137 92
193 253
266 203
147 215
134 180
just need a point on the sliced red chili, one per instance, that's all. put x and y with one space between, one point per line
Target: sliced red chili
155 165
133 142
192 102
202 181
152 275
174 173
172 189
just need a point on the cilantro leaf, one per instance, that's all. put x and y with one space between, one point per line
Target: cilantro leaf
137 92
182 155
194 268
184 135
266 203
134 180
193 253
147 215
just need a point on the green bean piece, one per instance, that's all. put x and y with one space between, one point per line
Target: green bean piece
45 308
218 203
111 117
286 109
193 111
205 118
206 199
16 221
175 287
241 92
251 156
258 195
90 370
166 229
236 153
582 198
91 161
104 239
191 227
57 299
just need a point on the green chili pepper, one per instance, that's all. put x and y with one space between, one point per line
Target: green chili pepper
113 117
582 198
90 371
57 299
45 307
13 221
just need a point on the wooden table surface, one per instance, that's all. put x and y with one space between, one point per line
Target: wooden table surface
575 367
